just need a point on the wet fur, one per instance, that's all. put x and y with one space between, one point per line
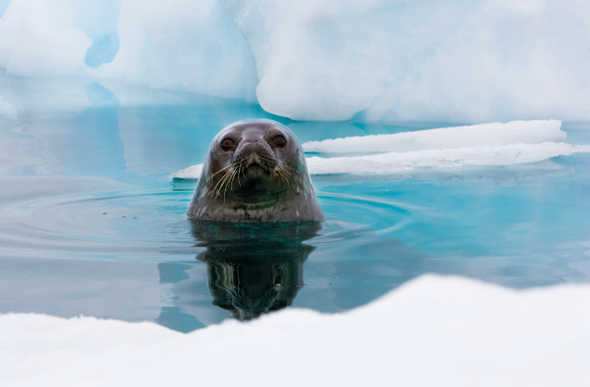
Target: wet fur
256 181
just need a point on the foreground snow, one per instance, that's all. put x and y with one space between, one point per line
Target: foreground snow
432 331
496 144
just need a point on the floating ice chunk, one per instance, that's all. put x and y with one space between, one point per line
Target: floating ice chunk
396 162
431 331
391 163
490 135
193 172
495 144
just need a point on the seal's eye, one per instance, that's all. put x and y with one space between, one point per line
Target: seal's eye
280 141
227 144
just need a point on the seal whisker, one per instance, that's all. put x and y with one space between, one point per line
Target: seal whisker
227 181
223 178
284 173
277 185
239 173
228 178
209 178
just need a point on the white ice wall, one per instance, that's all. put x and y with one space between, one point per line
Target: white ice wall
451 60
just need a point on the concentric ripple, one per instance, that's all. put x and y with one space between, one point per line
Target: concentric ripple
149 224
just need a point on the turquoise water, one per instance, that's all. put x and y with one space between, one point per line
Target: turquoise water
91 224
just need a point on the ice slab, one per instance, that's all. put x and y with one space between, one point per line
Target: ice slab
431 331
495 144
192 172
489 135
394 162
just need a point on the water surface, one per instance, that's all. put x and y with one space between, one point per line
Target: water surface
90 223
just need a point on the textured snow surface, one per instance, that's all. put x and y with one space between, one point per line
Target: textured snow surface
496 144
388 163
432 331
192 172
424 60
493 135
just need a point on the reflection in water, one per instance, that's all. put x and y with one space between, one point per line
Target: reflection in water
76 238
254 268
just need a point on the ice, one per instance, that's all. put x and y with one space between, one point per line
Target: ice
395 162
377 60
98 19
38 37
450 61
3 5
431 331
484 145
185 45
192 172
490 135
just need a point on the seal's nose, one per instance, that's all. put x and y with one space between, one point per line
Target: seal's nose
253 158
254 150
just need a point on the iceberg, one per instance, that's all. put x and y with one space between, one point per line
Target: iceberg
428 60
431 331
375 60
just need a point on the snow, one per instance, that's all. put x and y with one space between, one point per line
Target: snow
381 60
192 172
393 162
431 331
484 145
493 135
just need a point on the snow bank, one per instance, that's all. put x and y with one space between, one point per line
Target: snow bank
496 144
425 60
431 331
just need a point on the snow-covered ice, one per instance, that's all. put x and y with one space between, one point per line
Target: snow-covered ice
192 172
382 60
496 144
431 331
393 162
491 135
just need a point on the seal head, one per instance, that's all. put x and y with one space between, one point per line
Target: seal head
255 172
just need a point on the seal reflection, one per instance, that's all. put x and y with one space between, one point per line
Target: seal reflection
254 268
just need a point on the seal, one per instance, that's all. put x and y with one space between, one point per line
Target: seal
255 172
